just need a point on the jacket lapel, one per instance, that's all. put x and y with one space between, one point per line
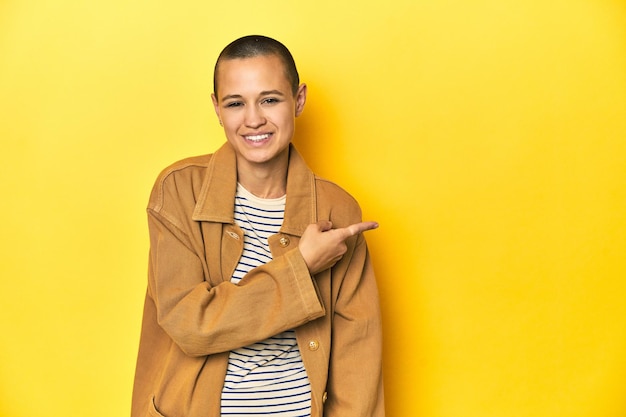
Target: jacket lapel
216 205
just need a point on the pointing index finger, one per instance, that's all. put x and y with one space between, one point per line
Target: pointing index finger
357 228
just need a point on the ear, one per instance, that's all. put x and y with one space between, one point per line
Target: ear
300 99
216 107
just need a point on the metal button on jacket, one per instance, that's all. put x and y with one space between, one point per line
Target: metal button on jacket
232 234
314 345
284 241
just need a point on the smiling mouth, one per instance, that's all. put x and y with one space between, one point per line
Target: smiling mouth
257 138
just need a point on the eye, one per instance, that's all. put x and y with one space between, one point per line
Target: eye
233 104
270 100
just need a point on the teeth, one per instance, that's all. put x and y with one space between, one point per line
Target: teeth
256 138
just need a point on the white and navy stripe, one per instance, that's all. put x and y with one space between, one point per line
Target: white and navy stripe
268 377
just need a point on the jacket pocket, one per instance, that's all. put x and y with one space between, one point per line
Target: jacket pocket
152 411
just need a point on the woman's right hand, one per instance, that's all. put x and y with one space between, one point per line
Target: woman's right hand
322 246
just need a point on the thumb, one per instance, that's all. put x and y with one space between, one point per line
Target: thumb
324 225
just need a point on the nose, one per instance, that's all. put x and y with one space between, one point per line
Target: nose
254 117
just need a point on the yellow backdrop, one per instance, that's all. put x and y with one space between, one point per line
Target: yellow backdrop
488 138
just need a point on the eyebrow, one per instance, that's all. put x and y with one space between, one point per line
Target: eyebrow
262 94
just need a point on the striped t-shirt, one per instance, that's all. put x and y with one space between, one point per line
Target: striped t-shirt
268 377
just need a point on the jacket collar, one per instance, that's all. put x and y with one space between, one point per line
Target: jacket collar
216 201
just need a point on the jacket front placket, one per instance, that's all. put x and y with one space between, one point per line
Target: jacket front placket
215 211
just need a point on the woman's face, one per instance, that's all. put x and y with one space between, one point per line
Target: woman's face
257 108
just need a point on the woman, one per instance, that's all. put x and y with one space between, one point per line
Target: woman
261 296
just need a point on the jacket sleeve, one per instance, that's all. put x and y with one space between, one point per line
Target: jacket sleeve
355 385
204 320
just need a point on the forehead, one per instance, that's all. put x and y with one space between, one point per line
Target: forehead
263 71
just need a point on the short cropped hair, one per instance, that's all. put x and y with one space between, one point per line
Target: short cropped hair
257 45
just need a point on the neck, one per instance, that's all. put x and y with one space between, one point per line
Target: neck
264 182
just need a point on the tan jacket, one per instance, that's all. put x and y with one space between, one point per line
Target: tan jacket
193 315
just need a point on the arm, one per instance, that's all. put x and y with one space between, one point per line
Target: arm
204 320
355 384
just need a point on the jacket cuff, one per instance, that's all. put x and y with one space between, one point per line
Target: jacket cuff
305 285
